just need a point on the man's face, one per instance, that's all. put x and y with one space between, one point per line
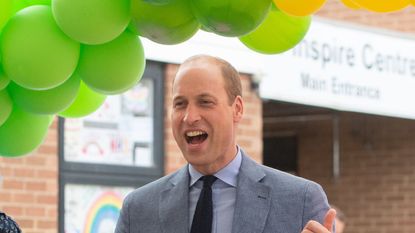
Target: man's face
203 119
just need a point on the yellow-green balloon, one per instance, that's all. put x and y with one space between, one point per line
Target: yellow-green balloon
168 23
22 132
48 101
5 106
4 81
92 21
278 33
87 101
114 67
37 55
5 12
230 17
9 7
21 4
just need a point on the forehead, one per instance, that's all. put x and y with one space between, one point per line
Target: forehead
197 76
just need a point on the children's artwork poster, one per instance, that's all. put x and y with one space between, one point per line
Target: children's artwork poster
92 209
119 133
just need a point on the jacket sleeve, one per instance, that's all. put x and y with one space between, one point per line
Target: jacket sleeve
315 204
123 223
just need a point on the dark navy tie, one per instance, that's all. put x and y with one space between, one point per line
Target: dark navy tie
202 219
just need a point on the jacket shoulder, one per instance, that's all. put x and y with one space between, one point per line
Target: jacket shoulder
149 193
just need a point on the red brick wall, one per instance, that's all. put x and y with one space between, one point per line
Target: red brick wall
30 187
376 187
249 131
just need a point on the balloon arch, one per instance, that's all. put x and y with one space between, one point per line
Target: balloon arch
63 57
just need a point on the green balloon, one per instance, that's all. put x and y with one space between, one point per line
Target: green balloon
87 101
157 2
230 17
278 33
21 4
92 21
169 23
4 81
9 7
5 106
5 12
114 67
22 132
36 53
48 101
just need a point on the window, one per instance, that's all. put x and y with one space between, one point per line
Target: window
109 153
281 153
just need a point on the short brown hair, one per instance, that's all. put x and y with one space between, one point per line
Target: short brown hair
231 77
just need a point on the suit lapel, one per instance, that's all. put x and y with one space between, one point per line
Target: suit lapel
174 210
252 199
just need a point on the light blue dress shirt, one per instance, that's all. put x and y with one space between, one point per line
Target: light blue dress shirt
223 194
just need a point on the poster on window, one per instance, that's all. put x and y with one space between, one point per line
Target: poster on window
91 208
120 132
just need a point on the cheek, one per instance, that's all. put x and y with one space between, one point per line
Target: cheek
175 119
175 124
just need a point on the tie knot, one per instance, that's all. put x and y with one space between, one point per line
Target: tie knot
208 180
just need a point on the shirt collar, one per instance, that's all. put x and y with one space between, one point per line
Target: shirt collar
228 174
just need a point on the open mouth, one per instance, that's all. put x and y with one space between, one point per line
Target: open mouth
196 137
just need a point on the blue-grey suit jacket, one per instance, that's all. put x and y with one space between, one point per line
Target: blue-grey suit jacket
267 201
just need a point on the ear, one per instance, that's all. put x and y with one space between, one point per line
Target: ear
238 109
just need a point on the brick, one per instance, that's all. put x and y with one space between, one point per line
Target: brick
47 174
24 197
9 184
5 196
12 210
35 160
47 199
25 223
47 224
35 211
36 185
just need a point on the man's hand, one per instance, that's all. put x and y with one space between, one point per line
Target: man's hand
315 227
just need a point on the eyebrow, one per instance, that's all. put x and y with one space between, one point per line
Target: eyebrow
203 95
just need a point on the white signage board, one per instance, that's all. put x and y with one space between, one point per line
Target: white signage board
337 65
346 68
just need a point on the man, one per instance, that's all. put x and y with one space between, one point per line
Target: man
245 197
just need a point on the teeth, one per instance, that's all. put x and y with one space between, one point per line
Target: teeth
194 133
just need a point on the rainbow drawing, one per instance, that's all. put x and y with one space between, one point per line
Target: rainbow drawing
103 213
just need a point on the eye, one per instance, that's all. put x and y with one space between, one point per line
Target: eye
178 104
206 102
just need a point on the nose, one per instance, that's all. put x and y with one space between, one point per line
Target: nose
192 115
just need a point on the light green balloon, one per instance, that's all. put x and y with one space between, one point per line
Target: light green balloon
114 67
48 101
21 4
5 12
87 101
5 106
4 81
230 17
168 23
278 33
92 21
37 55
22 132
